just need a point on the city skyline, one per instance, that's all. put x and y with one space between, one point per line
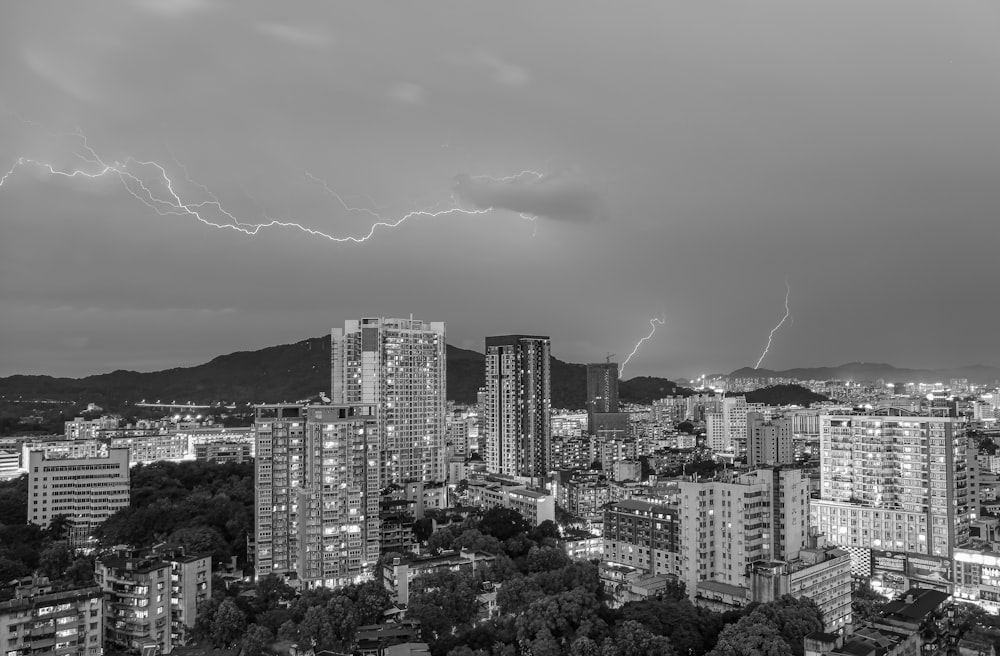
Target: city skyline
663 160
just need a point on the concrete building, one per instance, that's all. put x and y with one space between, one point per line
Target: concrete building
147 449
535 506
85 490
895 485
517 406
714 532
726 526
397 575
89 429
152 597
603 416
820 574
40 620
224 452
643 534
769 442
317 492
398 366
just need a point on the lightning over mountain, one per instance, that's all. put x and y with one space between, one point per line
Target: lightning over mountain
788 316
661 320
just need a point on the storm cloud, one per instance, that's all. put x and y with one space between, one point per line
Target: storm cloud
849 147
564 196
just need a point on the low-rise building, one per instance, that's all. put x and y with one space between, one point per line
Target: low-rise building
535 506
398 574
623 584
224 452
821 574
152 597
40 620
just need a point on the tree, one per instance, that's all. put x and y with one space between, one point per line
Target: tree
503 523
316 629
441 540
750 638
59 527
517 594
272 591
443 602
229 624
199 540
559 620
546 559
631 638
866 604
423 528
205 619
55 560
474 540
793 618
685 427
547 529
691 630
256 639
80 572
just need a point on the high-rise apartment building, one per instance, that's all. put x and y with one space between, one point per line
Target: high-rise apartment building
86 490
317 492
769 442
399 367
602 387
894 485
727 525
518 405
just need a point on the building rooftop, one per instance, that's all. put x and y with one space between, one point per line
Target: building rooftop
915 605
641 506
723 588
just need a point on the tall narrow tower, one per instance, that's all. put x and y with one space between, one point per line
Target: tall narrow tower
517 407
399 366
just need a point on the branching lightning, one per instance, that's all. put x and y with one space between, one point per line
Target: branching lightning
653 323
788 316
149 183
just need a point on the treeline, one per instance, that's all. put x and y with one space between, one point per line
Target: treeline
548 605
27 549
321 617
206 507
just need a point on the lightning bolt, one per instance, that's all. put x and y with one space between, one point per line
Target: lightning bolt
149 183
508 178
788 315
653 323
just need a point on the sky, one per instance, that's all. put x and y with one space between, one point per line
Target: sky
577 169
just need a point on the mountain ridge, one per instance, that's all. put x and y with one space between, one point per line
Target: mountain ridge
976 373
289 372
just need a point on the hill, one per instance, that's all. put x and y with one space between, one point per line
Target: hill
784 395
290 372
976 374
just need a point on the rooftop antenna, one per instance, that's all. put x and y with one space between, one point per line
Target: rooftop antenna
608 357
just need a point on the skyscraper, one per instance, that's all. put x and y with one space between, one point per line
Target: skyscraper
603 416
399 366
517 405
317 492
602 387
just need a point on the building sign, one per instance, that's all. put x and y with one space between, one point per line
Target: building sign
929 570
